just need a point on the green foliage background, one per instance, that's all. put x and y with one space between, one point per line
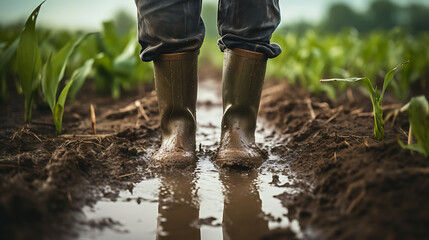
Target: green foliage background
345 44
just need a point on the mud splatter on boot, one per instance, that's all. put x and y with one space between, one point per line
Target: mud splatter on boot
243 78
176 88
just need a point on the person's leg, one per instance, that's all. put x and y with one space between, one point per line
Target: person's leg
246 27
171 33
169 26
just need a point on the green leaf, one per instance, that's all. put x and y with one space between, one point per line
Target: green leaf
103 61
103 65
111 39
53 72
54 69
78 77
376 103
418 114
28 60
413 147
365 81
125 63
59 107
388 77
47 82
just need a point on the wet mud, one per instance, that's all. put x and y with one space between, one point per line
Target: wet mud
206 202
361 188
325 176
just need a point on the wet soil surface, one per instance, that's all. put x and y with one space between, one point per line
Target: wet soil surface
326 176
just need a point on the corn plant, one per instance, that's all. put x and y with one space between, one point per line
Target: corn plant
118 66
29 62
375 96
29 68
53 73
418 114
313 55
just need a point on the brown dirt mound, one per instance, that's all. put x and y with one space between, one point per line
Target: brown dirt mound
362 188
46 179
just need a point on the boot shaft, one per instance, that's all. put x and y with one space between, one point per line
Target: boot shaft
243 79
176 88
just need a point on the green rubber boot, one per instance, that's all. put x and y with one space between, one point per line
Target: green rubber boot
243 78
176 88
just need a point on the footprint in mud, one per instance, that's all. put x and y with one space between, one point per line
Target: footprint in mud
209 203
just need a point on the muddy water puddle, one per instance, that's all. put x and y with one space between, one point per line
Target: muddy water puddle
209 203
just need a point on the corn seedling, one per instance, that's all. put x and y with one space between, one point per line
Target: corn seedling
117 60
118 66
53 73
375 96
73 85
418 114
313 55
29 61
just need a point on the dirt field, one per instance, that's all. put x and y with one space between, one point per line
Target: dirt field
355 187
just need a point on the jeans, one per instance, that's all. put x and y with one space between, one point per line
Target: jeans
174 26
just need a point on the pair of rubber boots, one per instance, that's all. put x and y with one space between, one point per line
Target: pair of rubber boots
176 87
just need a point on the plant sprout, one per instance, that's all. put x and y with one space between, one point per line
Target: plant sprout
375 96
29 61
418 114
29 66
53 72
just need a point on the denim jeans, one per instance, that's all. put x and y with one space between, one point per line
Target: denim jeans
174 26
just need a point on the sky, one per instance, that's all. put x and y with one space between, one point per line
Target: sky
88 14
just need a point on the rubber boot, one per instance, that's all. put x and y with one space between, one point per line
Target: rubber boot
176 88
243 78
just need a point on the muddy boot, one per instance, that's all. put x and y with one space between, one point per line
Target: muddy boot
243 78
176 88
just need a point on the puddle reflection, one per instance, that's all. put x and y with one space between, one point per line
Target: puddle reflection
243 217
206 204
178 209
